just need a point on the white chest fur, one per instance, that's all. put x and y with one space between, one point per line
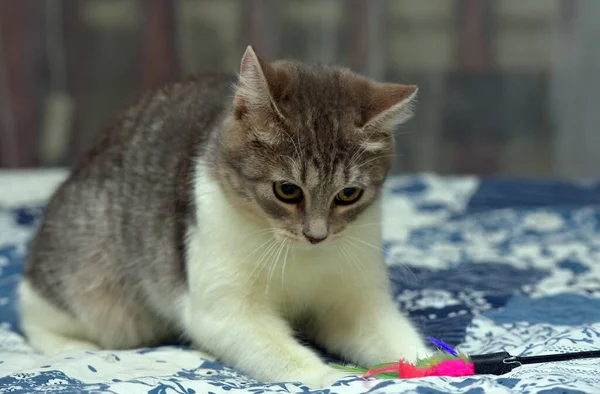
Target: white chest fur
231 254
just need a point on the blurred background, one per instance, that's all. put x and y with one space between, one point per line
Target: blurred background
507 86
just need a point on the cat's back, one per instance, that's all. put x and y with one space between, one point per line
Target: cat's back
161 125
153 141
129 198
144 158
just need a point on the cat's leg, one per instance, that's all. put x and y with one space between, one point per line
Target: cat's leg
369 330
48 329
258 343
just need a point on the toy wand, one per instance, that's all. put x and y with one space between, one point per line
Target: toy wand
502 362
450 362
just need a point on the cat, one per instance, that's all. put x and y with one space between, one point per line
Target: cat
231 218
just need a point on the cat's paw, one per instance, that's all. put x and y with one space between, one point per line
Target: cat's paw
323 378
416 352
408 352
421 353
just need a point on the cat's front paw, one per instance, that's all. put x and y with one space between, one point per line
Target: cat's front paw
415 353
323 378
411 352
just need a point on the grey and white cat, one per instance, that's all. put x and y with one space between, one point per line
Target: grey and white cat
230 219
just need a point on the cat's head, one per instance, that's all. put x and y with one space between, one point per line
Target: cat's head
308 147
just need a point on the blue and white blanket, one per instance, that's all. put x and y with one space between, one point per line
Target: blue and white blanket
487 264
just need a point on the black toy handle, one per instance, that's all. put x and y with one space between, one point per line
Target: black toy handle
549 358
494 363
502 362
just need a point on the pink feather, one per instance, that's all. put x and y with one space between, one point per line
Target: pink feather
454 368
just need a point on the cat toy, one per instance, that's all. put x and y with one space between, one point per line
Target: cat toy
450 362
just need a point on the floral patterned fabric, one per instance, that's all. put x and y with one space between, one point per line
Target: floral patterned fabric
487 264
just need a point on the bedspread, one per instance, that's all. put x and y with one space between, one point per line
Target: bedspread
487 264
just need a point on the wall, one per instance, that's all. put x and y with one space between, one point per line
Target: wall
500 80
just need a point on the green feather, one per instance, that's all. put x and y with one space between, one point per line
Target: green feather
349 368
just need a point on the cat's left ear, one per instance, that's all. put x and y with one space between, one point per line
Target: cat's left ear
388 105
256 84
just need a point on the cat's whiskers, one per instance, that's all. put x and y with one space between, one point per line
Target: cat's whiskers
399 133
385 252
356 263
364 225
364 163
270 258
267 244
338 251
361 151
261 262
273 264
341 250
355 156
261 231
296 147
403 132
285 257
259 247
295 162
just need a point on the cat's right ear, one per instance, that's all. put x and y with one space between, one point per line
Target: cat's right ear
388 105
253 90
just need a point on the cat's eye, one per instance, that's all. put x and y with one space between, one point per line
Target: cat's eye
287 192
348 196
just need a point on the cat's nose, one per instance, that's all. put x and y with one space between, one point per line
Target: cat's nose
314 240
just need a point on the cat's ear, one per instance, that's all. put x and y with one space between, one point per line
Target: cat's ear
388 105
255 84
